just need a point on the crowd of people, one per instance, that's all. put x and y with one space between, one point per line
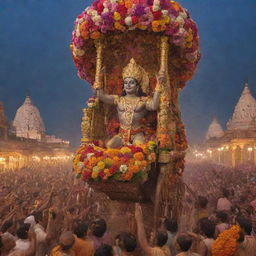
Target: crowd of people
44 210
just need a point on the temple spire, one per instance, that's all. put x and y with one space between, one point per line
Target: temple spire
245 111
215 130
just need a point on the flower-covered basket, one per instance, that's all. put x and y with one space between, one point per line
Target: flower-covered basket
122 174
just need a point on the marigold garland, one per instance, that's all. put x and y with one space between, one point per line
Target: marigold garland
226 243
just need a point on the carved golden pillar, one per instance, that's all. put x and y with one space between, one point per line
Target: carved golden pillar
166 125
93 126
99 51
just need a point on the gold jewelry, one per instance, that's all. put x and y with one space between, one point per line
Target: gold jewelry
158 88
133 70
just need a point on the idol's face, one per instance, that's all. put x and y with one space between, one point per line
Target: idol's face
130 86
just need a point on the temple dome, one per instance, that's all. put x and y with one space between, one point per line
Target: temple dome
28 122
244 113
215 130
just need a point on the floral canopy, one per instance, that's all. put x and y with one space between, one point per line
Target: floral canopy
132 28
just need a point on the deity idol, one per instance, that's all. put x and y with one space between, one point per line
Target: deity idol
133 104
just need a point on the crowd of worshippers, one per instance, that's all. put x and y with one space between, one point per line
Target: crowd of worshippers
43 215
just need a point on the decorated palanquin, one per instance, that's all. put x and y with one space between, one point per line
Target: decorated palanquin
133 142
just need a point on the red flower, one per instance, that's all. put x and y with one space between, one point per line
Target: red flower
96 142
135 149
113 169
157 15
82 157
122 9
100 8
86 176
134 20
99 153
101 174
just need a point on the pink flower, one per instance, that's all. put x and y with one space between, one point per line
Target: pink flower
78 42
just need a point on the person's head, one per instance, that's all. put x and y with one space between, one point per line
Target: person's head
171 225
225 192
127 242
7 243
30 220
99 227
241 237
207 227
6 226
184 241
202 202
161 238
81 230
66 241
22 232
245 224
132 87
104 250
222 216
38 216
133 76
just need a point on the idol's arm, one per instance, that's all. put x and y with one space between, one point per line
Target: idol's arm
153 103
106 98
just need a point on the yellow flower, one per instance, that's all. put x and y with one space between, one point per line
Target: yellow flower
128 4
189 45
95 175
140 26
166 19
125 150
108 161
117 16
151 143
101 165
107 172
95 169
138 163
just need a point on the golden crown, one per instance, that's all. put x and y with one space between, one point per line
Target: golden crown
133 70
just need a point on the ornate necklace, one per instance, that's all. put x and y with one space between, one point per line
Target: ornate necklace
129 109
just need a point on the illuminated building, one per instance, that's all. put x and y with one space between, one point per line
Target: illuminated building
237 144
27 140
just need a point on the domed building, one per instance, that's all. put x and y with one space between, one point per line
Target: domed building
27 140
215 130
245 112
236 145
27 122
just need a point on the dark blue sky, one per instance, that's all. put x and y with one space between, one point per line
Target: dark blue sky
35 55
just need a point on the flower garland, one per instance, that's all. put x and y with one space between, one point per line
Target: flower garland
128 163
93 102
226 243
121 16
